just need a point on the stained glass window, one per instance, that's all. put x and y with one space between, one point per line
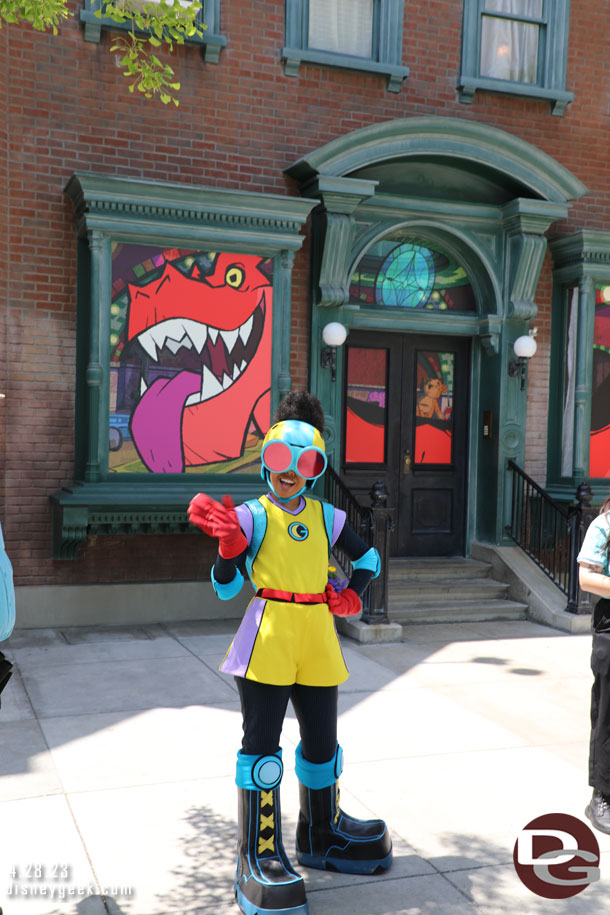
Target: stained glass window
402 272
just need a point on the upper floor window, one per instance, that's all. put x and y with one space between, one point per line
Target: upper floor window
208 17
351 34
516 46
344 27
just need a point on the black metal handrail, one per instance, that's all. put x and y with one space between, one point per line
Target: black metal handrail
550 534
373 525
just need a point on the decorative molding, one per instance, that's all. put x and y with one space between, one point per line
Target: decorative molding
524 222
108 204
449 138
333 233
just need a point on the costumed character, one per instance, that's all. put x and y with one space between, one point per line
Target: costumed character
287 648
594 576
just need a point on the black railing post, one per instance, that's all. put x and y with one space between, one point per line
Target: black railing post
375 609
579 519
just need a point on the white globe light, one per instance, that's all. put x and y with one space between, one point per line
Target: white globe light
525 347
334 334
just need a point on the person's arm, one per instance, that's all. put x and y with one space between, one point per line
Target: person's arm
364 559
592 579
365 566
220 519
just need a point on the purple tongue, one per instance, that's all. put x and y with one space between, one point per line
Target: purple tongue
156 424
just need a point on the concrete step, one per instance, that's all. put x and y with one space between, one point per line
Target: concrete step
454 611
454 589
452 567
418 591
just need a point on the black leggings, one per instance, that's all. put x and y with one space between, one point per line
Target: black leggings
599 752
263 710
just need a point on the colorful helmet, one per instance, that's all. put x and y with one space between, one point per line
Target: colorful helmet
294 445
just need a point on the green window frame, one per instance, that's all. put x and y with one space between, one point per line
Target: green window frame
211 42
550 85
386 59
116 211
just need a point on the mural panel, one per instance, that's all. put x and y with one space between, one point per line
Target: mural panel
599 455
434 392
190 360
365 424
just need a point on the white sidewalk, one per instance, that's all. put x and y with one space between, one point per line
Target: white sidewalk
117 761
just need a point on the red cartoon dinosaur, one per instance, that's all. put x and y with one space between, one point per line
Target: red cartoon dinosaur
196 417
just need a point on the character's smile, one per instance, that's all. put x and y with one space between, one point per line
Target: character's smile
221 356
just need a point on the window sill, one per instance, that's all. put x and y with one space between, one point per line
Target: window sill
85 509
559 99
211 44
293 57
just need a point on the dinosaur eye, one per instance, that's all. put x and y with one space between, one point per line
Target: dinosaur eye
234 276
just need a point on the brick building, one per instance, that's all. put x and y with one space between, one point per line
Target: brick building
433 176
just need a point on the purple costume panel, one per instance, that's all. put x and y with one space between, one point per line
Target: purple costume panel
238 656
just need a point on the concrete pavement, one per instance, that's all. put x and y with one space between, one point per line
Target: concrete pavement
117 757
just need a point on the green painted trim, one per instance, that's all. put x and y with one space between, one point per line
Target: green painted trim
211 42
294 57
551 84
112 209
454 138
386 59
468 85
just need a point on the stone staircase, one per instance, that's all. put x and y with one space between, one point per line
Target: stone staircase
450 589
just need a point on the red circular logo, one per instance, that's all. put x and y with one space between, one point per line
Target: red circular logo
556 856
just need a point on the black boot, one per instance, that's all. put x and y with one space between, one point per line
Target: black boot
265 881
329 839
598 811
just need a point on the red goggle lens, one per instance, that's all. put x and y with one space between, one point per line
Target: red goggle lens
310 464
277 457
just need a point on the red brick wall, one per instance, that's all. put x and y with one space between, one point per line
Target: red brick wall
239 124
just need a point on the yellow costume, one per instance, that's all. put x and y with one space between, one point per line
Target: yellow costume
281 642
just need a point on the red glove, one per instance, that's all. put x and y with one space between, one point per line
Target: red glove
218 520
347 603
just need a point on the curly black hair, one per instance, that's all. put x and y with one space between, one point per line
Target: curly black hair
303 406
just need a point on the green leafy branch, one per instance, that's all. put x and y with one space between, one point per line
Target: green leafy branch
42 14
151 24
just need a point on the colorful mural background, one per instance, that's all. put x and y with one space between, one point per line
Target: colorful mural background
365 422
434 407
599 454
190 360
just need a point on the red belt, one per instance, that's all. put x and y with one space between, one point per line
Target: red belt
290 597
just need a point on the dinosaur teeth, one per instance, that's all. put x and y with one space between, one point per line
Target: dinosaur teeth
143 387
246 329
198 333
229 337
213 332
210 385
148 344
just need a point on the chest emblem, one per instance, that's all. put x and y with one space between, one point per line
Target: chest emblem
298 531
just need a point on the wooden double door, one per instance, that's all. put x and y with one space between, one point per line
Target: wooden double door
405 422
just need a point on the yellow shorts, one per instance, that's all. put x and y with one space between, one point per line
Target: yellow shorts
282 643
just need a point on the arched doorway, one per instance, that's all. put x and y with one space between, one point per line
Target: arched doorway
483 199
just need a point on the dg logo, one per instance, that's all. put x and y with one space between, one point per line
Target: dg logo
298 531
556 856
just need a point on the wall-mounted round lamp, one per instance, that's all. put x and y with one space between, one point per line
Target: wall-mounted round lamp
524 348
334 335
